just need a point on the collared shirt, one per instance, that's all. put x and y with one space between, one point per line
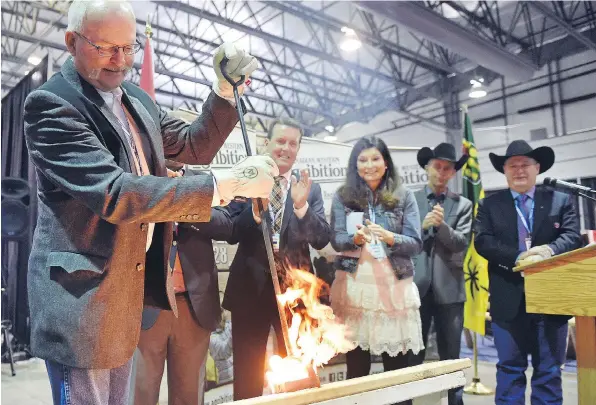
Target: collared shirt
529 201
433 198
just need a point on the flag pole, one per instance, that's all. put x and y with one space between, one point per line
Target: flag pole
475 387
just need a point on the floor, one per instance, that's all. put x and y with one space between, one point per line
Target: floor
30 386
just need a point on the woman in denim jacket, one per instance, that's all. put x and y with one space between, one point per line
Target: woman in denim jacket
376 233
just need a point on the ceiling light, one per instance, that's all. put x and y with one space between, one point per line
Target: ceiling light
34 60
350 42
477 90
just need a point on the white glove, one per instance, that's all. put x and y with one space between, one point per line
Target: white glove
530 259
252 177
240 63
544 251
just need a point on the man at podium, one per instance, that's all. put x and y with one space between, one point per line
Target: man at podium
528 224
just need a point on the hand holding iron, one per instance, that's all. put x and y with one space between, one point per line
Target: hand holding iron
239 64
250 178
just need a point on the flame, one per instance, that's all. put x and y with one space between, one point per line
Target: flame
315 335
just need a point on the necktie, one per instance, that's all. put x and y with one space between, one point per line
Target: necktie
125 122
522 232
277 195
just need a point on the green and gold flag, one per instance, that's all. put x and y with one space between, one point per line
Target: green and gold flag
475 266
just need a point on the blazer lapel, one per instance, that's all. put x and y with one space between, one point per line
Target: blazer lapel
448 204
422 200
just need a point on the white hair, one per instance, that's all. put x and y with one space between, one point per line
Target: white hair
82 10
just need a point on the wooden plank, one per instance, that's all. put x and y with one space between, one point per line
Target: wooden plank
423 390
362 384
586 359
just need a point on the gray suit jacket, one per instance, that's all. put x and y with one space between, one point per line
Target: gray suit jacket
88 269
440 264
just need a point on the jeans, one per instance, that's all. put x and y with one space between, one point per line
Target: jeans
83 386
544 337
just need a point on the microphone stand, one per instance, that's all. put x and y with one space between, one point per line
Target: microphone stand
589 197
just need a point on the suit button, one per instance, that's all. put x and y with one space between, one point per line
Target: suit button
140 267
195 217
143 227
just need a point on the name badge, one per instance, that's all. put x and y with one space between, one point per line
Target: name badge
275 239
377 250
528 243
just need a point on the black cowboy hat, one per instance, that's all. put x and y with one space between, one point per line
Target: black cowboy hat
443 151
543 155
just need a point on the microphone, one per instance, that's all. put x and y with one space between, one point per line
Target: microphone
574 188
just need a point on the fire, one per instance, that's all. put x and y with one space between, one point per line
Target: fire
315 336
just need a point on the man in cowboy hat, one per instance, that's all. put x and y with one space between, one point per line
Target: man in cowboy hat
525 224
446 227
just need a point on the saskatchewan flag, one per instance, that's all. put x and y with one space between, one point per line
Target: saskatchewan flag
475 266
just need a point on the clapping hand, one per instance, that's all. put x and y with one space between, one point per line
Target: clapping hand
379 232
300 189
433 218
362 235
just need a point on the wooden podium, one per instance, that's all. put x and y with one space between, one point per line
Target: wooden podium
566 285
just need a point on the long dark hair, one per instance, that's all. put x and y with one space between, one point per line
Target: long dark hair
355 192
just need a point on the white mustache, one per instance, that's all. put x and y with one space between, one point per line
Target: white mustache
94 73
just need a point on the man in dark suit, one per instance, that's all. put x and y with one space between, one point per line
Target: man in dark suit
525 224
104 228
183 340
297 220
446 228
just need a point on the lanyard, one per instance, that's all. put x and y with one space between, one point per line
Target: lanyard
371 213
527 225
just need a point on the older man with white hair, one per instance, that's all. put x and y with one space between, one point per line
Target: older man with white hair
106 206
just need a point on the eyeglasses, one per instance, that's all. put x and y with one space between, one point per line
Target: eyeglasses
113 50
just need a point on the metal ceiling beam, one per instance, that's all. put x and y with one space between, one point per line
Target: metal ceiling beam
298 10
53 45
156 39
482 20
547 12
417 17
281 41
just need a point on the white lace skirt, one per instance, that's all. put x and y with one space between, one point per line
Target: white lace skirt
381 312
